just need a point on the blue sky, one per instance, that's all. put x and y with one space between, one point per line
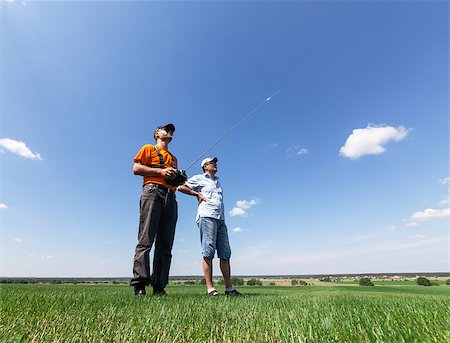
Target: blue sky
344 171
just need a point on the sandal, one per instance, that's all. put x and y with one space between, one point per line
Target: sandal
213 293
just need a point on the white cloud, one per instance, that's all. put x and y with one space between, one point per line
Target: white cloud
371 140
430 213
235 211
3 206
411 224
445 181
391 228
244 204
237 229
241 206
296 150
271 146
416 237
19 148
18 240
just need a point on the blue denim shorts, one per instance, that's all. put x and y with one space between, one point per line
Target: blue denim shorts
214 236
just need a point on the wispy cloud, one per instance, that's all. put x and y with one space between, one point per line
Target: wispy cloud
3 206
18 240
445 180
416 237
296 150
445 201
260 250
271 145
268 258
242 206
386 246
19 148
430 213
371 140
13 1
42 257
391 228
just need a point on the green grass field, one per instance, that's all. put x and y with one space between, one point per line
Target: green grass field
110 313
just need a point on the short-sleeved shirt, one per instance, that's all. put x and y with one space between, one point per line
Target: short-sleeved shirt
149 157
212 192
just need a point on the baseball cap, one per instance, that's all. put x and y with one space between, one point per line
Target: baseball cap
207 160
169 127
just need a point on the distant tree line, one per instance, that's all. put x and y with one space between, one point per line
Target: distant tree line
58 281
254 282
295 282
365 281
423 281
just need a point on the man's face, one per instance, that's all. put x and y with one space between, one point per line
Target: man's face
164 134
210 167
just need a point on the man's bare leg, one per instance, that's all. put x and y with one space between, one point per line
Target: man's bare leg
226 272
207 271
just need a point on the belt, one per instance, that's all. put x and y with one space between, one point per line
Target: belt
161 187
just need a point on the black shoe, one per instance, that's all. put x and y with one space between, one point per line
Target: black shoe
159 291
233 293
139 290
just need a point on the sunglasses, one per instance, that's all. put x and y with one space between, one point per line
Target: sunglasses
163 128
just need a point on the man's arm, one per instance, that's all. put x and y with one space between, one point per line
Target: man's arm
143 170
186 190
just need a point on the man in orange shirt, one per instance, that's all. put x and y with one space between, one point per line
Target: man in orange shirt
158 212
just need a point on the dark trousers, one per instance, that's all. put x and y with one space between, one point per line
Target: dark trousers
158 218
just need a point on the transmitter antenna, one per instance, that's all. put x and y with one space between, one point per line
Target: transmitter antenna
232 129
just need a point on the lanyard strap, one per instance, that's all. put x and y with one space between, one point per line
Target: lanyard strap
161 160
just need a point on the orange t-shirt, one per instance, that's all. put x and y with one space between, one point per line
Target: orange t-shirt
149 157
